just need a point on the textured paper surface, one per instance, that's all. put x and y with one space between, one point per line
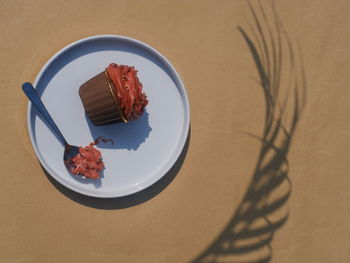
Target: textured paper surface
39 223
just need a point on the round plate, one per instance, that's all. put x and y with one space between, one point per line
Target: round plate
144 150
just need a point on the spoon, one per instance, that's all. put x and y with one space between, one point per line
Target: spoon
69 150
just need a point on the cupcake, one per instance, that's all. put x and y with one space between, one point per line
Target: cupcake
113 96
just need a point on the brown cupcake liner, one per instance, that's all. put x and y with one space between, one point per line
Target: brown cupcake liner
114 95
99 100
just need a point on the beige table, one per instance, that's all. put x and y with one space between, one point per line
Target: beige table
43 222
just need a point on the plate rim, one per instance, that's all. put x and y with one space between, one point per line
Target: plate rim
179 147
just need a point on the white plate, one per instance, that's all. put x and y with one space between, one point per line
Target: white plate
144 150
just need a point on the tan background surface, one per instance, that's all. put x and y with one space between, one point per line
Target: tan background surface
40 224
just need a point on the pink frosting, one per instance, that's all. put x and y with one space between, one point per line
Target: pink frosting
88 162
131 99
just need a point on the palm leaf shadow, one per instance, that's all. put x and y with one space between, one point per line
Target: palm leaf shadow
249 234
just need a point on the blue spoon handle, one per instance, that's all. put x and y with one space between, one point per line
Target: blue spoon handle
35 99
